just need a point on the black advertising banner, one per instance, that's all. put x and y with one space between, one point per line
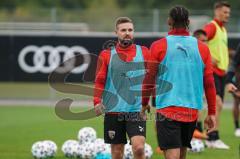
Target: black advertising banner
34 57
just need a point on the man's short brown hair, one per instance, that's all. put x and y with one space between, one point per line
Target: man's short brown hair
221 4
121 20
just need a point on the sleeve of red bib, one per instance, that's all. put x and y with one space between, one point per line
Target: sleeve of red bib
101 76
158 51
210 29
209 85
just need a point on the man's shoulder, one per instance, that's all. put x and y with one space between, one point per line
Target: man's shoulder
159 41
210 24
202 45
144 48
210 28
163 39
105 52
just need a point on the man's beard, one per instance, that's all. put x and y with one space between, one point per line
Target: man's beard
126 42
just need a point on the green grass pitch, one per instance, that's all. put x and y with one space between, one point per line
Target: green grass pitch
21 126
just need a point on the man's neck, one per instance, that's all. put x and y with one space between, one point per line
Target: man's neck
219 21
123 46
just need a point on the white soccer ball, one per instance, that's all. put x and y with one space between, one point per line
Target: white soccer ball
38 150
197 145
87 134
99 145
87 151
128 154
44 149
71 148
51 148
107 149
102 150
148 151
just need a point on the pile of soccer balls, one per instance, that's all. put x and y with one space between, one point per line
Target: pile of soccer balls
88 146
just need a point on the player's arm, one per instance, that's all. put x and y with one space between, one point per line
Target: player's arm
232 68
157 53
100 80
231 71
209 87
146 55
208 79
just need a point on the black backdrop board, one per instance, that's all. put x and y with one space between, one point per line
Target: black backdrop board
13 45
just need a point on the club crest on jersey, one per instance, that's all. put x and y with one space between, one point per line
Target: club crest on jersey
111 134
141 129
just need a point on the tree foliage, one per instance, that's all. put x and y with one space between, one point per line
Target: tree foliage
134 4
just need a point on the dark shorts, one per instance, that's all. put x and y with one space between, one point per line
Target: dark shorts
236 81
173 134
153 101
116 126
220 85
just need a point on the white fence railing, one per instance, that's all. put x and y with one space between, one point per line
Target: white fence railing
36 26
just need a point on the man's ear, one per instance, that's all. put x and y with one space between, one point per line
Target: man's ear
188 22
216 12
170 22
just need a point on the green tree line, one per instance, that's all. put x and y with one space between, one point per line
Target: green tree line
121 4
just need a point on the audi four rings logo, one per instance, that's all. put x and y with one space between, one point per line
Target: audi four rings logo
52 56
